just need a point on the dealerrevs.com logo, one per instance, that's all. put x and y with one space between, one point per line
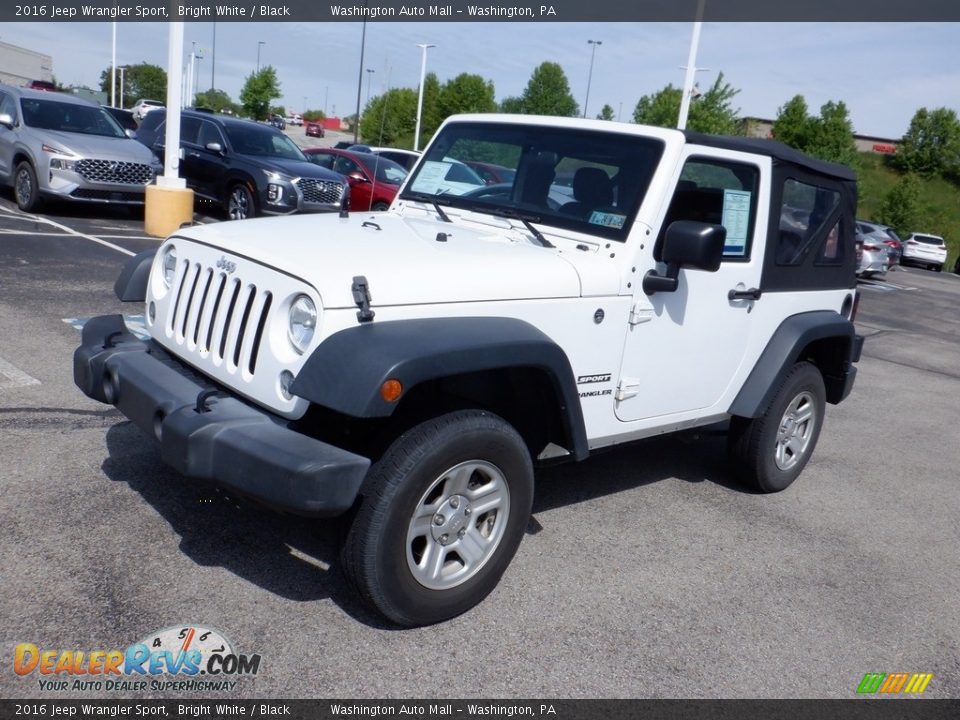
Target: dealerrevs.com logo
180 658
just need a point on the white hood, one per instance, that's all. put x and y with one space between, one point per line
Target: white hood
403 261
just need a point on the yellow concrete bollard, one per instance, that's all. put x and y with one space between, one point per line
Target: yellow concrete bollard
166 209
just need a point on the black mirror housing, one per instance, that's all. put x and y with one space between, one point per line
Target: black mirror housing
694 245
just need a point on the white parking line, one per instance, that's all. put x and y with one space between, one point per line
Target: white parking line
70 231
13 377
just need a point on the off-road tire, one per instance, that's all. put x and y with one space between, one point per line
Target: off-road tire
376 556
753 443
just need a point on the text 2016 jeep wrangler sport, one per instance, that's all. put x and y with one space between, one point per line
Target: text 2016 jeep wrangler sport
413 366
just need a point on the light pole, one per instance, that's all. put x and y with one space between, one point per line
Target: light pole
593 51
691 69
121 69
356 118
113 66
213 57
260 43
370 72
423 75
326 96
304 106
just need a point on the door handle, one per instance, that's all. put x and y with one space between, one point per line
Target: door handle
751 294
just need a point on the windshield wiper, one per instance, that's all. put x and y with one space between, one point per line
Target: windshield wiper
526 220
432 201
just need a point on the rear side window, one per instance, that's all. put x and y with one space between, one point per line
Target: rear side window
928 239
804 215
152 121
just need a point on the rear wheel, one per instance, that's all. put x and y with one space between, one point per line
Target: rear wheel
240 205
936 268
25 188
770 451
443 513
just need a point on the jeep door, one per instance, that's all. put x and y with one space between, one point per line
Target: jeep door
684 348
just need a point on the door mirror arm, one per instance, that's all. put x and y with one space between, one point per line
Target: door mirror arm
654 282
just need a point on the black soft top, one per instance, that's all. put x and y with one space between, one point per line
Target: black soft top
773 148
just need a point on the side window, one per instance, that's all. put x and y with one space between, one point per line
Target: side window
717 192
832 251
8 105
345 166
322 159
804 215
189 130
209 134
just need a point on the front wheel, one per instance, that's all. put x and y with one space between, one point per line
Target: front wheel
240 204
443 513
25 188
769 452
380 207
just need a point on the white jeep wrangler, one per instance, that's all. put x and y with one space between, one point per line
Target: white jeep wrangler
412 367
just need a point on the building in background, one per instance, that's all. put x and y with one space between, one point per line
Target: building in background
20 66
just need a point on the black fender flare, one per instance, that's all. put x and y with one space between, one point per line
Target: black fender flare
131 285
346 370
784 349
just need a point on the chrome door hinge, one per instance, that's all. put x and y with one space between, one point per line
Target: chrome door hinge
640 314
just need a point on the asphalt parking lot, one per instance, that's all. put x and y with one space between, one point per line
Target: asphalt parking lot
644 573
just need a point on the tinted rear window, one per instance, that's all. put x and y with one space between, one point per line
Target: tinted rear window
928 239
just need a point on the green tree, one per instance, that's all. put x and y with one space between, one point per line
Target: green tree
142 80
931 146
389 119
313 115
548 93
259 90
831 136
216 100
901 206
606 113
467 93
711 112
512 105
431 115
793 125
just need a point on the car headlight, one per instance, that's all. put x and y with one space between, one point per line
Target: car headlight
169 265
302 323
62 164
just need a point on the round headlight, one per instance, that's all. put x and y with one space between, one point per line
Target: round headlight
303 322
169 265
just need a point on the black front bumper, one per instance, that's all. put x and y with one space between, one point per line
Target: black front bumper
225 440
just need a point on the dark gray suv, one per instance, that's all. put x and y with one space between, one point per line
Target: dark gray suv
248 168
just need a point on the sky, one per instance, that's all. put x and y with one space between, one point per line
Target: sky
884 72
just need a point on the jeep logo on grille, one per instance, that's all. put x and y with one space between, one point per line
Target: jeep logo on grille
225 264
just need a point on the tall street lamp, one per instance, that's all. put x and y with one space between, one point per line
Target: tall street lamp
593 51
370 72
121 69
260 44
688 80
113 66
363 45
423 75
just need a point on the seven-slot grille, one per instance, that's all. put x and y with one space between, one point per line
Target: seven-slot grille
218 318
323 192
117 172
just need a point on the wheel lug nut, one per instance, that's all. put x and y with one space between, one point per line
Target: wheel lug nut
439 519
444 539
461 532
467 510
454 502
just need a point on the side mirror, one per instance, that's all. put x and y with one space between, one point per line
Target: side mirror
214 147
686 243
130 134
6 119
358 177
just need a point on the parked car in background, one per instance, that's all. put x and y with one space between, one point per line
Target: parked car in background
278 122
343 145
314 129
45 85
247 167
293 119
124 117
407 158
374 180
885 235
493 174
143 106
925 250
55 145
873 255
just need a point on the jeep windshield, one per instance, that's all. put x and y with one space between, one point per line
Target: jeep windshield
252 139
590 181
69 117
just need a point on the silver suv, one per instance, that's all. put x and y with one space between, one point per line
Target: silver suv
59 146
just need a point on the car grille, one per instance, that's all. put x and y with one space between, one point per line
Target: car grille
320 192
123 196
117 172
218 318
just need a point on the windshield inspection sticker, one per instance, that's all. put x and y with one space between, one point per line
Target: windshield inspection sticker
736 219
610 220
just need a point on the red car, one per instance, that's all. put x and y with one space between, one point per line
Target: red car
492 174
313 129
374 181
